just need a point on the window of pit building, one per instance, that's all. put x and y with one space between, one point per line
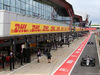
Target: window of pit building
23 0
6 2
17 4
31 8
23 11
31 1
27 7
12 3
27 13
1 1
22 5
12 9
6 7
1 6
17 10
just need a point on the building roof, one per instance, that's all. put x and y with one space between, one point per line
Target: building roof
78 18
83 14
65 7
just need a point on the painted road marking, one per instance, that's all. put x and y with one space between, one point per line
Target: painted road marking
73 55
63 69
82 45
67 66
69 61
42 60
55 61
77 52
79 49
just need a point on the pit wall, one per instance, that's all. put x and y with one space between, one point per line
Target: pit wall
97 39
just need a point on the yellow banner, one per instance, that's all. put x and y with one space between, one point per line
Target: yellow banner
84 29
77 29
80 29
33 28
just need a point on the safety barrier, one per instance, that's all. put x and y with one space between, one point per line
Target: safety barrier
97 39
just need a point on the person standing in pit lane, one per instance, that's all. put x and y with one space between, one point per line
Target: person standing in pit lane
3 61
21 57
49 56
68 43
13 60
38 56
10 61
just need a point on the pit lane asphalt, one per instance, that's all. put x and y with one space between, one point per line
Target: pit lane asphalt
91 51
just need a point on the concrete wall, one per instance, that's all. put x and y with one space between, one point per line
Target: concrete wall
98 47
1 22
7 16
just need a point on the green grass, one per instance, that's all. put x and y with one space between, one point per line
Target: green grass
95 25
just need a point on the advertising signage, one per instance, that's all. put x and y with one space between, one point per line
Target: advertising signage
91 28
18 28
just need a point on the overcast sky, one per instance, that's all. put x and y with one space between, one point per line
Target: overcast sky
91 7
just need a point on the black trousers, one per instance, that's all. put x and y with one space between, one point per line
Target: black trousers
10 65
13 65
3 65
21 61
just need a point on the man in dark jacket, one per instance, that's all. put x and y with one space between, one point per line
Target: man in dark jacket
21 57
68 43
49 57
13 60
3 61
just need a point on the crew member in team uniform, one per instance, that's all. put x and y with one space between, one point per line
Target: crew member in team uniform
49 56
21 57
38 55
13 61
3 61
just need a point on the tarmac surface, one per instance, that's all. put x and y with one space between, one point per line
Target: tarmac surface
91 51
45 68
